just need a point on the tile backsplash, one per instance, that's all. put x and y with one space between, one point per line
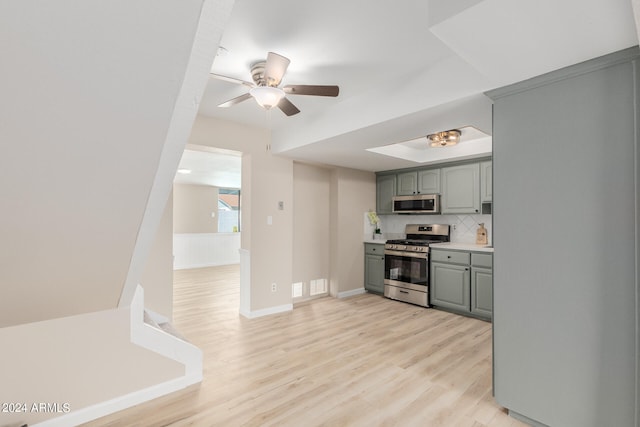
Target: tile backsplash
463 228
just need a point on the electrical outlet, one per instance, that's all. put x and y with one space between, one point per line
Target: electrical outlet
274 287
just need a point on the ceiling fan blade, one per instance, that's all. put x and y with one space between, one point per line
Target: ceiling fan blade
275 68
287 107
235 100
311 90
231 79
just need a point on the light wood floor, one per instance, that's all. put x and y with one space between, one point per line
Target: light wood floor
360 361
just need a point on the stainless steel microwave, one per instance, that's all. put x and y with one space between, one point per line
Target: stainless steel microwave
417 204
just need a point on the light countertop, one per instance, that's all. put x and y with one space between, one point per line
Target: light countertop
448 245
462 247
376 241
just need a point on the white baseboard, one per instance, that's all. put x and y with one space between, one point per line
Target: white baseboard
267 311
119 403
200 265
351 293
157 317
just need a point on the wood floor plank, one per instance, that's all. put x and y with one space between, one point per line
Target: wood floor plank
359 361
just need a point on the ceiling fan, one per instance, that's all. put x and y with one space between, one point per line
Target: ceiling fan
267 76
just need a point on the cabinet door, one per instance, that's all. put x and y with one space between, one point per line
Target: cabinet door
486 181
385 190
450 286
460 189
429 181
374 273
407 183
482 292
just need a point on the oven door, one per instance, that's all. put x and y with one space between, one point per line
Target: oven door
406 269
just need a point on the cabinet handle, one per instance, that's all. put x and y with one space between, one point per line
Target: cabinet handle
476 210
448 256
404 292
466 269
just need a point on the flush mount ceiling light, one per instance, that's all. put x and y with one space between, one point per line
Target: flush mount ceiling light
266 96
445 138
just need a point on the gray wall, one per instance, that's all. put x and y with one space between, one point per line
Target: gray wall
564 235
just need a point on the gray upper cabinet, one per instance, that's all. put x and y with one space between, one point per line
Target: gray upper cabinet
429 181
461 186
407 183
460 189
486 181
419 182
385 190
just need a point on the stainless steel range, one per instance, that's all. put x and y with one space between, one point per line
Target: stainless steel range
406 263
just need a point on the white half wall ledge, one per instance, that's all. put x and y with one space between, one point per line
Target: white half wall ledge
153 339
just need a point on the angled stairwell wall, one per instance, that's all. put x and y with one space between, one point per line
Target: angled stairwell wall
98 101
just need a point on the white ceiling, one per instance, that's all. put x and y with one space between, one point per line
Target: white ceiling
210 166
405 68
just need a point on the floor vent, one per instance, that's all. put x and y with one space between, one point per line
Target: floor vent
296 290
317 287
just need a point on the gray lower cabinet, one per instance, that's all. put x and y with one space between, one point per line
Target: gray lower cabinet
450 286
374 267
462 282
482 292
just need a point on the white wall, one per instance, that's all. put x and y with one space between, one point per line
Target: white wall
311 215
266 180
195 208
205 250
157 277
352 194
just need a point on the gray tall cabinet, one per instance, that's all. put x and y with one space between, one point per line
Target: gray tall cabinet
565 229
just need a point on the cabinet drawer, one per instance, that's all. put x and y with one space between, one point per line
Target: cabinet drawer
374 248
481 260
450 256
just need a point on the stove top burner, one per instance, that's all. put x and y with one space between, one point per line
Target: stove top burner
412 242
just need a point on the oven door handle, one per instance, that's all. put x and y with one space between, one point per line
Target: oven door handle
408 254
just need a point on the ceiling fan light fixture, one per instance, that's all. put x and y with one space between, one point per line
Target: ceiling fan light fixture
267 96
445 138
